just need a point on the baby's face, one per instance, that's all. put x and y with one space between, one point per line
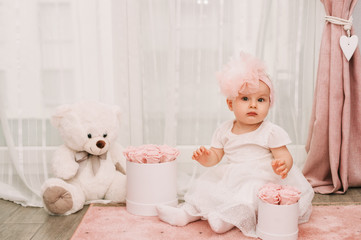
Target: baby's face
251 108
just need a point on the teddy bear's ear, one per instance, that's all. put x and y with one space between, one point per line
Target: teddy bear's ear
59 114
117 112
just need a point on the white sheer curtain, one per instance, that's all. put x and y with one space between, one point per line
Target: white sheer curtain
156 59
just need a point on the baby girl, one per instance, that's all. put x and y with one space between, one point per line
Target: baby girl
246 152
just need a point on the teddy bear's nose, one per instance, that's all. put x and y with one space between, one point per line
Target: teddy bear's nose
100 144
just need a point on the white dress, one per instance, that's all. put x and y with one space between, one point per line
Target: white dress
229 190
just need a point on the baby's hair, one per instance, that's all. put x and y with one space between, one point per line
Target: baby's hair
242 75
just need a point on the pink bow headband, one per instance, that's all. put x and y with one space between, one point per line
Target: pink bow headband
242 75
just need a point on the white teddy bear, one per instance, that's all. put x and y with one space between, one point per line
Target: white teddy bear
90 165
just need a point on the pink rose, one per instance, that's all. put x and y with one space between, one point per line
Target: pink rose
289 195
169 153
133 154
269 195
278 194
150 153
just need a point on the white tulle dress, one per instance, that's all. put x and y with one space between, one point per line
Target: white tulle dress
229 190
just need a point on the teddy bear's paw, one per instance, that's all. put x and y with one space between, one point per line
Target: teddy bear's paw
57 200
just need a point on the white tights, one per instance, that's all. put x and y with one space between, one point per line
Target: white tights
177 216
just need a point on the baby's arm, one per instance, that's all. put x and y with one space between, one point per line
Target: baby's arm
208 157
282 162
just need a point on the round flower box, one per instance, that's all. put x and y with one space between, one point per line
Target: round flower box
277 222
151 178
149 185
277 212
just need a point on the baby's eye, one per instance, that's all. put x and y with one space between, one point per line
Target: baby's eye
105 135
89 135
261 99
244 98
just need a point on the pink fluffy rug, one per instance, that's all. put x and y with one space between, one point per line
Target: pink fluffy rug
113 222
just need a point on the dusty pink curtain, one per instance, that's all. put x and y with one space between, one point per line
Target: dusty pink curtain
334 141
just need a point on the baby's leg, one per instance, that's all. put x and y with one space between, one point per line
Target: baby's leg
218 225
176 216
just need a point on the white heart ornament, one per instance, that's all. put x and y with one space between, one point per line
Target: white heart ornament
348 45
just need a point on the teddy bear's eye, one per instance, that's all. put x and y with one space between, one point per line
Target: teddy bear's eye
105 135
89 135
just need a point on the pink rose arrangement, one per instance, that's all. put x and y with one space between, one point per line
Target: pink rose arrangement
150 153
279 194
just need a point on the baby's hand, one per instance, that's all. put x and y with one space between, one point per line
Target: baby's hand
280 168
201 154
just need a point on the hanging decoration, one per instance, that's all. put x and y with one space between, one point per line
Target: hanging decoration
348 43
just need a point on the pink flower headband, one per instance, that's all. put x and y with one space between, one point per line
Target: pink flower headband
242 75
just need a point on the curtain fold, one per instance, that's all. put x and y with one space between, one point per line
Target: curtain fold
334 149
26 194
